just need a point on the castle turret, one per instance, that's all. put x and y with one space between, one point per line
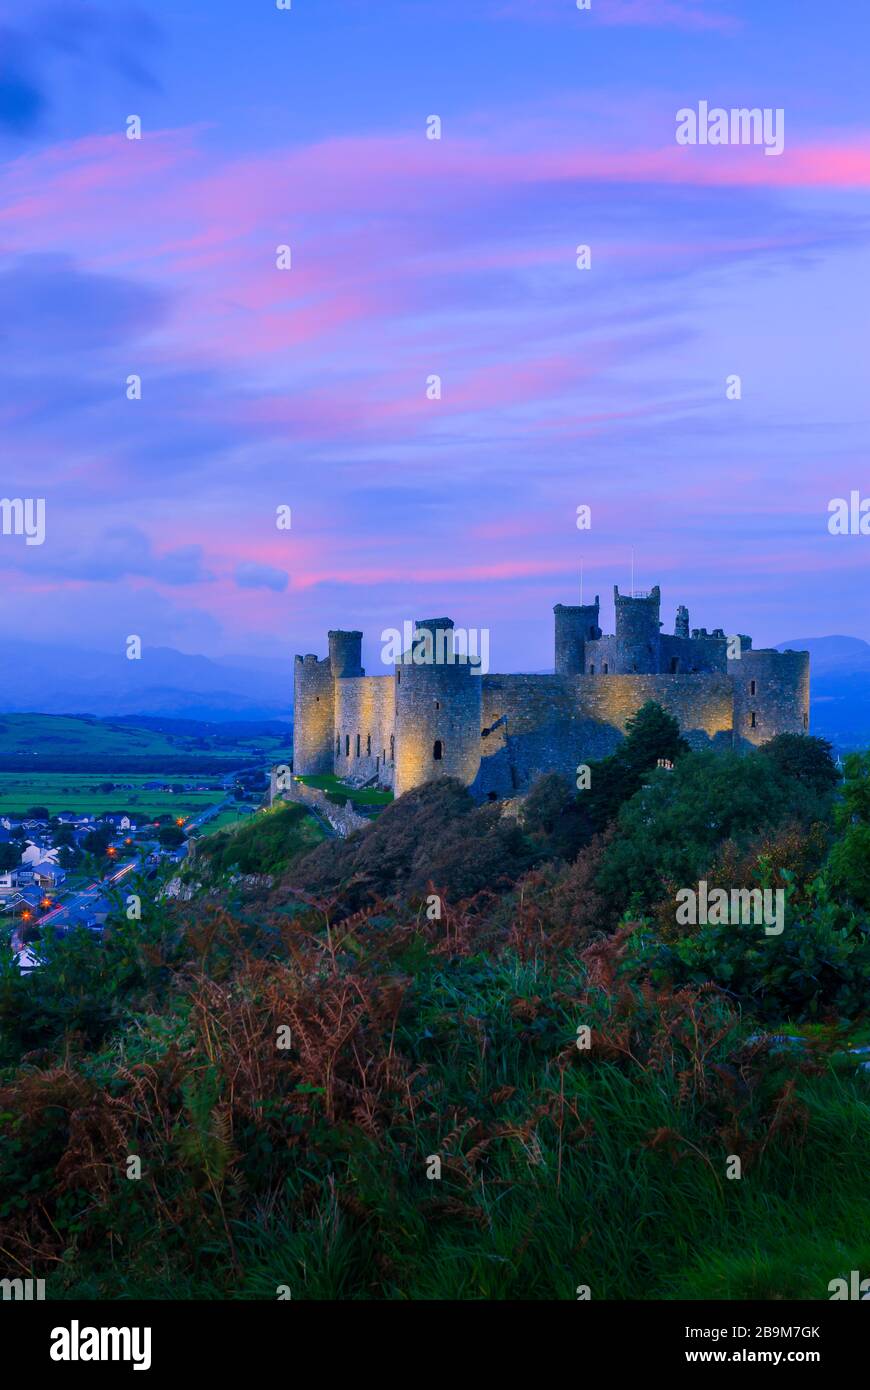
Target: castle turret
345 654
681 626
575 626
438 702
313 716
637 632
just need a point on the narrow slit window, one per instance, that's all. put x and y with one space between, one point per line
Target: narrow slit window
438 750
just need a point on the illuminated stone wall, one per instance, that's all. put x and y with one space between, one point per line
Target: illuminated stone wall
775 687
313 716
364 727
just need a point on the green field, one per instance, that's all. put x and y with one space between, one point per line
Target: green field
340 792
79 791
63 741
66 763
40 735
224 820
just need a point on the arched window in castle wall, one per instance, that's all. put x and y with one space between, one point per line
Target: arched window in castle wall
338 745
369 745
752 687
438 750
357 744
392 748
347 745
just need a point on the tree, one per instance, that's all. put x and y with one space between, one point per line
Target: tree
171 836
849 865
97 841
671 829
554 817
650 735
10 857
37 813
854 807
804 758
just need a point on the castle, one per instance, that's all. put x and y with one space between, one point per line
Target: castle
443 718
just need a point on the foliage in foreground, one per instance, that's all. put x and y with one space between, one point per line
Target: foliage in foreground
413 1037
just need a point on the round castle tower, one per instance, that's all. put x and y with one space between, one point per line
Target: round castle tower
637 647
575 626
438 703
314 702
313 715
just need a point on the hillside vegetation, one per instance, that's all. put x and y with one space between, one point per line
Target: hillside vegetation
371 1079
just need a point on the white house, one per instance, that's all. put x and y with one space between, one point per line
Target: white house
38 854
13 879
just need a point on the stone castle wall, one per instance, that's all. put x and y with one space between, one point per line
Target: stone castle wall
774 687
538 724
364 730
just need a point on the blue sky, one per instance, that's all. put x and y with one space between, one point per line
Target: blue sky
411 257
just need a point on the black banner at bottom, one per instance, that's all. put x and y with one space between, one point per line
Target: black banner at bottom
157 1338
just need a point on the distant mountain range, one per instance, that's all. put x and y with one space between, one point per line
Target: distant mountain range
168 684
55 680
839 688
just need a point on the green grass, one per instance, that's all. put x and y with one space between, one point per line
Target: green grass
572 1190
266 843
39 736
341 792
79 791
223 821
